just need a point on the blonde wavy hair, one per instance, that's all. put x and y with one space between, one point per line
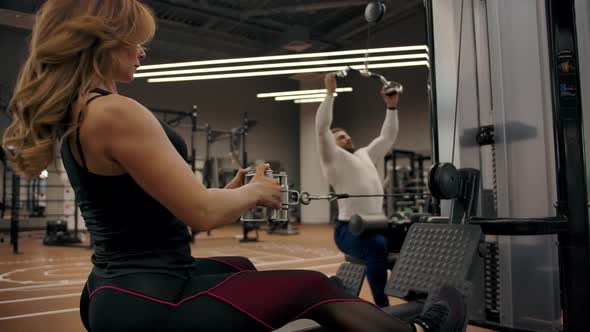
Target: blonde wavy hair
71 52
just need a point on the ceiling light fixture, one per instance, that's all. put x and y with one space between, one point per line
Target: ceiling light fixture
319 95
285 72
282 65
284 57
311 100
299 92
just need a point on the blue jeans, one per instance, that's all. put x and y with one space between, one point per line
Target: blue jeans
373 250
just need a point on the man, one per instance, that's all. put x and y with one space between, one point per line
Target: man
353 172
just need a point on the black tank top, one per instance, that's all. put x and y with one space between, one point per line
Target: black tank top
130 230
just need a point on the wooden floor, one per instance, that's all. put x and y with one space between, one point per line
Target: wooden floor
40 287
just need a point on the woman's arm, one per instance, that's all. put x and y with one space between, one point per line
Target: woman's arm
137 141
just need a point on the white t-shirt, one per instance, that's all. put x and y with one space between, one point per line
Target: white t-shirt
354 173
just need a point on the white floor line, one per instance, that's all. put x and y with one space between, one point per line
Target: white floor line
74 288
300 260
266 248
78 294
317 266
43 260
6 277
80 282
41 313
50 297
268 264
243 252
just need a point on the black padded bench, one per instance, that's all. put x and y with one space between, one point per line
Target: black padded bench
432 255
353 272
391 259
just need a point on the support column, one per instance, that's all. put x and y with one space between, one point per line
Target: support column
312 179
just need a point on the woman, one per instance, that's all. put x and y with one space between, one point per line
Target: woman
137 194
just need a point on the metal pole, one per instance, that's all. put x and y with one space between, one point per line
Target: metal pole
390 184
244 134
394 183
207 165
14 213
432 81
4 179
76 219
434 203
193 146
574 257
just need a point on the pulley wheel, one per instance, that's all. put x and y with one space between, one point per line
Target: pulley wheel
443 181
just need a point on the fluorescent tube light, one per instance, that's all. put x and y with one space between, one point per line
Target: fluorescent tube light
284 57
319 95
311 100
299 92
285 72
282 65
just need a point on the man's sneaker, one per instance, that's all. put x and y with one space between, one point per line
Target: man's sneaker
338 282
444 311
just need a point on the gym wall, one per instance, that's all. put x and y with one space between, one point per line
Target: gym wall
276 136
362 112
13 42
583 27
221 104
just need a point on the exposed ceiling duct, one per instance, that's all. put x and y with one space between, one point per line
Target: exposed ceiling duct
226 28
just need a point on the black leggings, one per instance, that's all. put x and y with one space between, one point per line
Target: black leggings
220 294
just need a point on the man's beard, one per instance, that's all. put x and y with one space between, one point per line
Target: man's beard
351 150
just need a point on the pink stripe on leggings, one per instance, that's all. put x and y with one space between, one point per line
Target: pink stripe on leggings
241 309
157 300
224 262
210 293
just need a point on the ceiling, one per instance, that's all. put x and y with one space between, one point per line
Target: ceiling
208 29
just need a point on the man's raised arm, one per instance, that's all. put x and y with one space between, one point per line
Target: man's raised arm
383 143
323 121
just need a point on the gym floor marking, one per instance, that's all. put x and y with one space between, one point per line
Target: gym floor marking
41 313
43 274
318 267
50 297
4 276
301 260
44 287
50 303
43 260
